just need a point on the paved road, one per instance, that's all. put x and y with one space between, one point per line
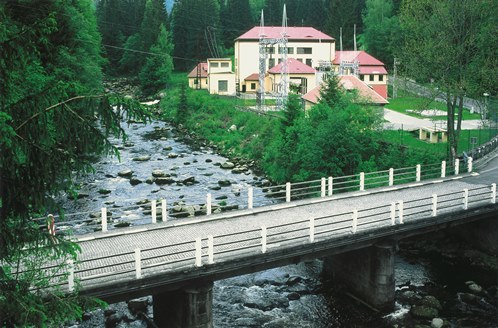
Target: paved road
398 120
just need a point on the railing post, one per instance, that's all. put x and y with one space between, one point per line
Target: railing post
391 177
263 239
434 204
400 211
331 184
312 230
198 252
493 193
443 169
393 213
465 199
70 277
164 210
457 166
418 173
323 187
288 192
469 164
210 249
138 264
362 181
208 204
354 226
104 219
154 211
250 198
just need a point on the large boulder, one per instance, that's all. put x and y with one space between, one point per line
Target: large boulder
228 165
125 173
424 312
164 180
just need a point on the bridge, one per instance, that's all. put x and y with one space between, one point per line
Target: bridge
177 261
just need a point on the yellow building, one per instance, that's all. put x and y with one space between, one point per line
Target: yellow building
221 79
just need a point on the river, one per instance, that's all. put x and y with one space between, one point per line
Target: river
291 296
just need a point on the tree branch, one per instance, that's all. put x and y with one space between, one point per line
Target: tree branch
52 107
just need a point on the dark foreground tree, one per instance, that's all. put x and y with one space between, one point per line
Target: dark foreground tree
52 116
452 43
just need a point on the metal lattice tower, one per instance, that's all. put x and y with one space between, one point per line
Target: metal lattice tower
260 96
283 86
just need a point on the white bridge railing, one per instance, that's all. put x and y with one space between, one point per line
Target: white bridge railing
208 250
215 202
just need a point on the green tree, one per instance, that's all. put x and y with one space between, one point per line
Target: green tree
336 137
141 42
111 15
157 70
50 79
196 36
344 14
293 110
235 19
381 30
453 43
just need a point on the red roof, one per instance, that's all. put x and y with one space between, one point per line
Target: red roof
203 70
293 33
361 56
294 66
312 96
252 77
350 82
372 70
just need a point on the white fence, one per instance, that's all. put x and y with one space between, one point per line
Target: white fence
214 202
208 250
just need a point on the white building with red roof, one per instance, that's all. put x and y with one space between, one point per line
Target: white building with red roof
370 70
304 44
309 51
350 83
198 77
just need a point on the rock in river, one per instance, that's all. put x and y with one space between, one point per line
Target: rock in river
228 165
126 173
142 158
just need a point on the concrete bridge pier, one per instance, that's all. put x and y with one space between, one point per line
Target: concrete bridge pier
367 272
189 307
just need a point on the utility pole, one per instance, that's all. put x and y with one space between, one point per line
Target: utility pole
394 78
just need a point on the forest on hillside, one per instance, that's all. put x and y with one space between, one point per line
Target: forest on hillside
207 28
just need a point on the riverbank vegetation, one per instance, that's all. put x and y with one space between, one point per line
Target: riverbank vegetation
336 137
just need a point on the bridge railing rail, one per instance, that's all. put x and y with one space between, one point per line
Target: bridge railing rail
153 211
209 250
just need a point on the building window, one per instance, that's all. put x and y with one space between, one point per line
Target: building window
290 50
309 62
271 62
304 51
224 64
253 86
270 50
300 60
222 85
196 81
213 64
362 77
381 78
371 77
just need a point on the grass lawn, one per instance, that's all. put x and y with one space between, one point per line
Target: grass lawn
410 139
412 105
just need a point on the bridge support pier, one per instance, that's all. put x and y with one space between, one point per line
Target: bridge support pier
368 273
190 307
483 234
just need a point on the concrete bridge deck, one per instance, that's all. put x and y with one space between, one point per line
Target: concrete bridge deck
107 266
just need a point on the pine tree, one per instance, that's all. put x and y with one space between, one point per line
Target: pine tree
196 36
157 70
50 79
235 19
